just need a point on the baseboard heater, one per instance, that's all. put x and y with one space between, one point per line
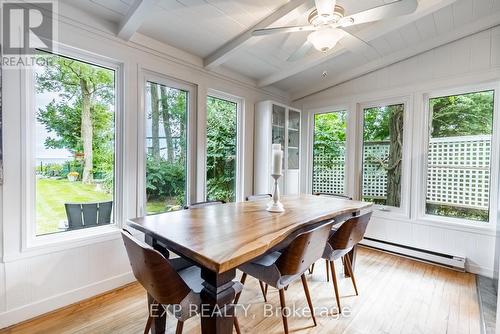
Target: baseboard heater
445 260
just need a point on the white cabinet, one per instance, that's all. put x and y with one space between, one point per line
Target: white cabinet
276 123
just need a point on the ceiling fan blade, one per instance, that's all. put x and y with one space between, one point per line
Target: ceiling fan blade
282 30
357 45
325 7
300 52
393 9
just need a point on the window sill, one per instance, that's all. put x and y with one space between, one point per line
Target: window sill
58 242
485 228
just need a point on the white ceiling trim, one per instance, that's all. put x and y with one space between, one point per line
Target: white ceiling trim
472 28
136 15
369 33
222 54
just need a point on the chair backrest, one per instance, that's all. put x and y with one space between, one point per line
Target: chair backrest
333 195
258 197
203 204
154 272
350 233
304 250
82 215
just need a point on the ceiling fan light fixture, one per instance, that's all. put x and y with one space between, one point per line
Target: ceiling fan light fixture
325 39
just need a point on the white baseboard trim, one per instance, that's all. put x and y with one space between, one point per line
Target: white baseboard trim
478 270
52 303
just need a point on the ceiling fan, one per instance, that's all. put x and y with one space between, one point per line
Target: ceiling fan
327 20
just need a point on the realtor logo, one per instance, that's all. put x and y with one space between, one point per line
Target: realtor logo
26 27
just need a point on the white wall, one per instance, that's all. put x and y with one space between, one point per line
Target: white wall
39 279
469 61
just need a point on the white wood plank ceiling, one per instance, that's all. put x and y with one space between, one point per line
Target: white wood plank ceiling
218 31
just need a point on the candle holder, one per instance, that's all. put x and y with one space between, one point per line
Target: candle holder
276 205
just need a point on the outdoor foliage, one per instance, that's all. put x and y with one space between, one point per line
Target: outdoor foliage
166 148
221 149
82 119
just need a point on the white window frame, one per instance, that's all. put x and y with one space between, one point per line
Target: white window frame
348 188
30 241
240 116
191 162
421 164
404 211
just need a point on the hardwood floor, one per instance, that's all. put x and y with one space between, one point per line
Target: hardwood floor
397 295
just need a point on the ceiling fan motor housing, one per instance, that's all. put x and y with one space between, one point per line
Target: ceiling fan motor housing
317 20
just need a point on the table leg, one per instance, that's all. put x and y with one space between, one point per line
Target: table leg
217 295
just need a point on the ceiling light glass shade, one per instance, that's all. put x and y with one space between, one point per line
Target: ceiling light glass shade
325 39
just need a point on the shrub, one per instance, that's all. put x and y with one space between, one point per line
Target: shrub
165 179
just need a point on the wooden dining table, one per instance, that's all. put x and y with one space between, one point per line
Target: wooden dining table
220 238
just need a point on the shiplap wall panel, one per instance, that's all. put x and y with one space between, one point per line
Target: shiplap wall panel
410 34
467 61
426 27
482 7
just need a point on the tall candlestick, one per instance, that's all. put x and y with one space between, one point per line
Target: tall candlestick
277 160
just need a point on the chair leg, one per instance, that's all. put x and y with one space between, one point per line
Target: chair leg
335 285
263 289
283 305
311 269
242 281
180 325
148 325
308 297
236 325
349 269
327 272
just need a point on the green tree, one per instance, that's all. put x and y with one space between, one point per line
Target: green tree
85 91
221 149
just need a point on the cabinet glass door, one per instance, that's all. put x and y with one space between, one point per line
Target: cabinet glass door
278 132
293 139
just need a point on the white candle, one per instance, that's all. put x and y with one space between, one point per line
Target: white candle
277 161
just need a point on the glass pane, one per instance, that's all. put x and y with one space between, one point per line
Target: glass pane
166 145
459 154
293 139
383 154
75 134
329 152
221 149
278 131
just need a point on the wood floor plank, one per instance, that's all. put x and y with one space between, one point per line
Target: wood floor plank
396 295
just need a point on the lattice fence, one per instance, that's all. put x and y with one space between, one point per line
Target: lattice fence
459 164
329 172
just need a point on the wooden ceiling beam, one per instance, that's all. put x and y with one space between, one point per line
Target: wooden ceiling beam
223 53
136 15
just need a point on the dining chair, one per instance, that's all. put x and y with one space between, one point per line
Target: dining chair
341 242
258 197
165 285
280 269
204 204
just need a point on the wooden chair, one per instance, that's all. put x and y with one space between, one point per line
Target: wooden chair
165 285
84 215
343 240
203 204
258 197
280 269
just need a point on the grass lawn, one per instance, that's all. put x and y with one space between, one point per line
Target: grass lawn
50 198
159 206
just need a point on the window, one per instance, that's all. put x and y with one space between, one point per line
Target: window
329 151
383 154
221 161
75 145
459 155
166 147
